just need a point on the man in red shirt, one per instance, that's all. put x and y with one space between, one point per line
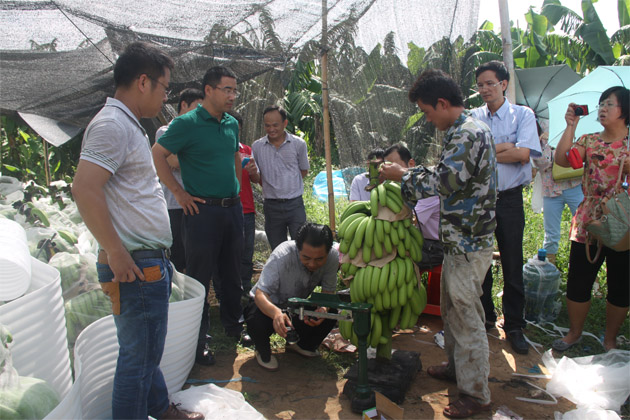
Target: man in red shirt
250 174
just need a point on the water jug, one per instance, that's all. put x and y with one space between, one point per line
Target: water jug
541 281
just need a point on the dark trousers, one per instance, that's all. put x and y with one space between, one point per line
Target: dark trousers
260 328
509 233
247 264
283 215
178 255
214 243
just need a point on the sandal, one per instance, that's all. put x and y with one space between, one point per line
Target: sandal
441 372
465 407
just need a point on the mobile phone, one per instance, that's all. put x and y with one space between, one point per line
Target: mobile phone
245 161
581 110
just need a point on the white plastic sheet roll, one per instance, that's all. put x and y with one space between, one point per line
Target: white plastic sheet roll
38 325
15 260
96 353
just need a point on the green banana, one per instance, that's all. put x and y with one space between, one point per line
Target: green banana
387 244
401 231
407 223
374 283
345 267
352 252
376 331
417 235
369 231
378 249
357 283
410 288
405 317
409 270
380 231
343 226
367 253
359 234
393 297
393 202
387 226
378 302
394 237
344 246
353 269
352 228
374 202
402 295
367 279
382 195
387 302
401 249
382 282
400 281
393 275
394 316
416 302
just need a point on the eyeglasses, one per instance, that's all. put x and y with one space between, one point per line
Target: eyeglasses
229 91
488 85
167 91
607 105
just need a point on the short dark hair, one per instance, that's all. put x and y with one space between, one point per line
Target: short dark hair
214 75
315 235
401 149
236 116
376 153
621 93
189 95
141 58
434 84
497 67
282 111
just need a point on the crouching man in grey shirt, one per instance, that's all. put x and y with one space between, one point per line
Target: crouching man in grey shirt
294 269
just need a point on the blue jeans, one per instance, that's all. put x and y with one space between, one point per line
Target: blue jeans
247 264
139 386
552 213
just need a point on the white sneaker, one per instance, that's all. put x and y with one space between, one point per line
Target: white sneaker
301 351
271 365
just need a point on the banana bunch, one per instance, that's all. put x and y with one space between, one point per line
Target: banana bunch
393 289
84 309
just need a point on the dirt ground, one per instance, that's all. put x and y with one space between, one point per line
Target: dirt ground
307 389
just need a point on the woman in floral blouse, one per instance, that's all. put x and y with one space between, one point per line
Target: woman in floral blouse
602 154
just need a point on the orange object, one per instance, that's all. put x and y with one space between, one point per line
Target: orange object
433 290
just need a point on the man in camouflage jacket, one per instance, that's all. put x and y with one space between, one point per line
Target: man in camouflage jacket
465 181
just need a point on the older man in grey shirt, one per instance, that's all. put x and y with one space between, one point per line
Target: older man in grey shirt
294 269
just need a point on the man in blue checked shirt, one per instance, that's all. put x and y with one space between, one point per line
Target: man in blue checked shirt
516 139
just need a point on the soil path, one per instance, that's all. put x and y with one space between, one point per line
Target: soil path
308 389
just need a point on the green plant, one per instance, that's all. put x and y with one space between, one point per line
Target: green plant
23 155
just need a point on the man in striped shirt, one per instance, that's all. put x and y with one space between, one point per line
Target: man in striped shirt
282 160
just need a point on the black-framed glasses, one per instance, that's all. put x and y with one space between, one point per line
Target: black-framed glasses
229 91
167 91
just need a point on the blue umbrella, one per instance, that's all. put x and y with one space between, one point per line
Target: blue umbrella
585 92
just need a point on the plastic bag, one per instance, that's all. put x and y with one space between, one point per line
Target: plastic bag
216 403
599 381
587 414
537 194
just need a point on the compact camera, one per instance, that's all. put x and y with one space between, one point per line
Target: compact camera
581 110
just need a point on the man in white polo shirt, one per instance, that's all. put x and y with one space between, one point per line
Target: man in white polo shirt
282 160
119 197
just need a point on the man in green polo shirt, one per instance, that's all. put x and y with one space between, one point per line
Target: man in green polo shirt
206 143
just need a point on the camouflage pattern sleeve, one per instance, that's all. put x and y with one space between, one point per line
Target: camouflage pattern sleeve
465 181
